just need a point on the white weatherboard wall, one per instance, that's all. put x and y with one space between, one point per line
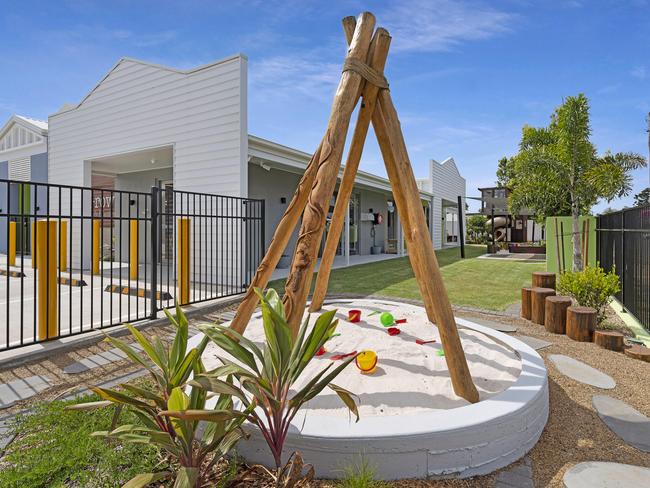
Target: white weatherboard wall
201 113
446 183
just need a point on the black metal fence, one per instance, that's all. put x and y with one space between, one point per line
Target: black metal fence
75 259
624 245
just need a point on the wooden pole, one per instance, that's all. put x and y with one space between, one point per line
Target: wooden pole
281 237
379 52
97 246
313 221
421 254
133 249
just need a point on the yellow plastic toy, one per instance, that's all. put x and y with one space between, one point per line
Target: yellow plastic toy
367 362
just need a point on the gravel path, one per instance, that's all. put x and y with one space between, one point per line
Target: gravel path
574 432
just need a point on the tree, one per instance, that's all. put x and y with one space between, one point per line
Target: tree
558 171
505 172
642 198
476 231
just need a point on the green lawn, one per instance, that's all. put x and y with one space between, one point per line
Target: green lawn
482 283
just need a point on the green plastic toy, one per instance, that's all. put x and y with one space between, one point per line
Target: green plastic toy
387 319
440 352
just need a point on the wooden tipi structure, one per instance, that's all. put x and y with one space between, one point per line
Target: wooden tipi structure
362 77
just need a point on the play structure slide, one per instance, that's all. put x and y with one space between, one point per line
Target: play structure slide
500 226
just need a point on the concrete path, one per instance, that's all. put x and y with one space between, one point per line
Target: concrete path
626 422
97 360
22 389
606 475
581 372
533 342
518 476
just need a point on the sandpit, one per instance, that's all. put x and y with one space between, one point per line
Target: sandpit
412 424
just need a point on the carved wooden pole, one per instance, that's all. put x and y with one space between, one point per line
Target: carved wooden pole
421 253
281 238
379 52
313 221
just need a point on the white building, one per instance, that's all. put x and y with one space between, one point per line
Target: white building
147 125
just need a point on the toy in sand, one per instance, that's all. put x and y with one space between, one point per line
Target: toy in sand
367 362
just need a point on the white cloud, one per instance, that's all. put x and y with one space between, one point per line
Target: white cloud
291 75
640 72
439 25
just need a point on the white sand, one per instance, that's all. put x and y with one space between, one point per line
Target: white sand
409 377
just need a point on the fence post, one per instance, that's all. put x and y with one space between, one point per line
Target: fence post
622 272
461 237
11 245
63 245
47 289
183 259
133 250
154 253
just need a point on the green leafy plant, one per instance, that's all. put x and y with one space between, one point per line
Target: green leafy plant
265 376
170 418
591 287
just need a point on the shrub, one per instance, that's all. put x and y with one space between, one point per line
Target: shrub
591 287
265 376
360 474
170 418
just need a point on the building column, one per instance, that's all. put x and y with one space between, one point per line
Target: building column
400 236
346 235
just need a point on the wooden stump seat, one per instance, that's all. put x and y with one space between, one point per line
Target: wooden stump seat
609 339
580 323
525 302
543 279
538 298
555 313
639 352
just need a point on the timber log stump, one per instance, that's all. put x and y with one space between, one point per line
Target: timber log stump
555 313
609 339
543 279
639 352
538 298
525 302
580 323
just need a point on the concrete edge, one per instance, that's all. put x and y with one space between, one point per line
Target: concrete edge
16 357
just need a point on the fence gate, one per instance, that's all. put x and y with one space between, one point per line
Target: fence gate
624 246
75 259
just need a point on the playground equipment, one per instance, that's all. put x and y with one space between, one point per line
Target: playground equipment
500 228
418 426
362 76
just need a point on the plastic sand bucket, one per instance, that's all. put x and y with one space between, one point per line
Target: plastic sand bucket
366 361
354 316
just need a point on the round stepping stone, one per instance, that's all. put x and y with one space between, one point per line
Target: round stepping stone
606 475
626 422
582 372
533 342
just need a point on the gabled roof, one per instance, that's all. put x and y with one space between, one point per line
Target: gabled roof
450 163
37 126
67 107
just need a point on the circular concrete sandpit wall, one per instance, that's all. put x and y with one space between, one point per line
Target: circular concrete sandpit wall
458 442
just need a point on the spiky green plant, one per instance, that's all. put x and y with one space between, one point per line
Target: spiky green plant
195 436
265 376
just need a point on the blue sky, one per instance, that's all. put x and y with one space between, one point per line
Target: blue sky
465 75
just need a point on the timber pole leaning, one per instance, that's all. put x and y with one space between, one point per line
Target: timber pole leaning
379 53
421 254
313 221
281 238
